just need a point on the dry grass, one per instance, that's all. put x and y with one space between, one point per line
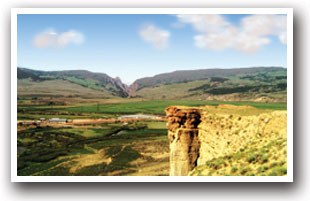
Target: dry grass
242 144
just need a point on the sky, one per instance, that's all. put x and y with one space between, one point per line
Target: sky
138 45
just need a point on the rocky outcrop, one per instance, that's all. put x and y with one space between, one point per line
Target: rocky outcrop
183 137
198 135
131 90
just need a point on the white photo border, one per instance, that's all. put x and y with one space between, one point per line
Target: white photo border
287 11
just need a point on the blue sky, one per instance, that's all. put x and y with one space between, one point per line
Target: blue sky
135 46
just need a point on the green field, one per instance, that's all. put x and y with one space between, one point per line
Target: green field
158 106
116 109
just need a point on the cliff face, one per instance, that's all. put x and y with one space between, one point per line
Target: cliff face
198 135
183 138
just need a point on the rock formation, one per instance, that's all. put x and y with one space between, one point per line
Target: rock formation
198 135
183 137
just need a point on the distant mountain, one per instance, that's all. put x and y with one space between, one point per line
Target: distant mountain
191 75
242 84
247 84
95 81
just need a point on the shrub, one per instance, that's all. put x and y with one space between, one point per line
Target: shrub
252 159
283 171
234 169
262 168
217 164
264 159
274 164
243 171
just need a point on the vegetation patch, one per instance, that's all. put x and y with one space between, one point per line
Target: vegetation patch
37 167
253 161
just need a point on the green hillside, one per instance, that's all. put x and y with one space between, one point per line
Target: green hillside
99 82
56 88
269 85
191 75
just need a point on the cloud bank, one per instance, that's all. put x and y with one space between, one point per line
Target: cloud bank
50 38
215 32
157 37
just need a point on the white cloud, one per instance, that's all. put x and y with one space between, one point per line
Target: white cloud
252 34
282 37
205 23
249 43
157 37
217 41
50 38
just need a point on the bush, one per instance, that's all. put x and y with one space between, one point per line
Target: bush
234 169
264 159
243 171
217 165
283 171
252 159
262 168
274 164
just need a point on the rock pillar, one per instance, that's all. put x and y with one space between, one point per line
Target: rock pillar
183 137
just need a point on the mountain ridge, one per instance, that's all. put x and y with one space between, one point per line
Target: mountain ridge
100 79
213 82
201 74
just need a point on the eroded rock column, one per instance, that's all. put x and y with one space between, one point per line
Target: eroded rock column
183 137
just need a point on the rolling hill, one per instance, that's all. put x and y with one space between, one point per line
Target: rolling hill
192 75
98 84
244 84
237 84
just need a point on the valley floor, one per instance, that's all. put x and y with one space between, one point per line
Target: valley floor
96 140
